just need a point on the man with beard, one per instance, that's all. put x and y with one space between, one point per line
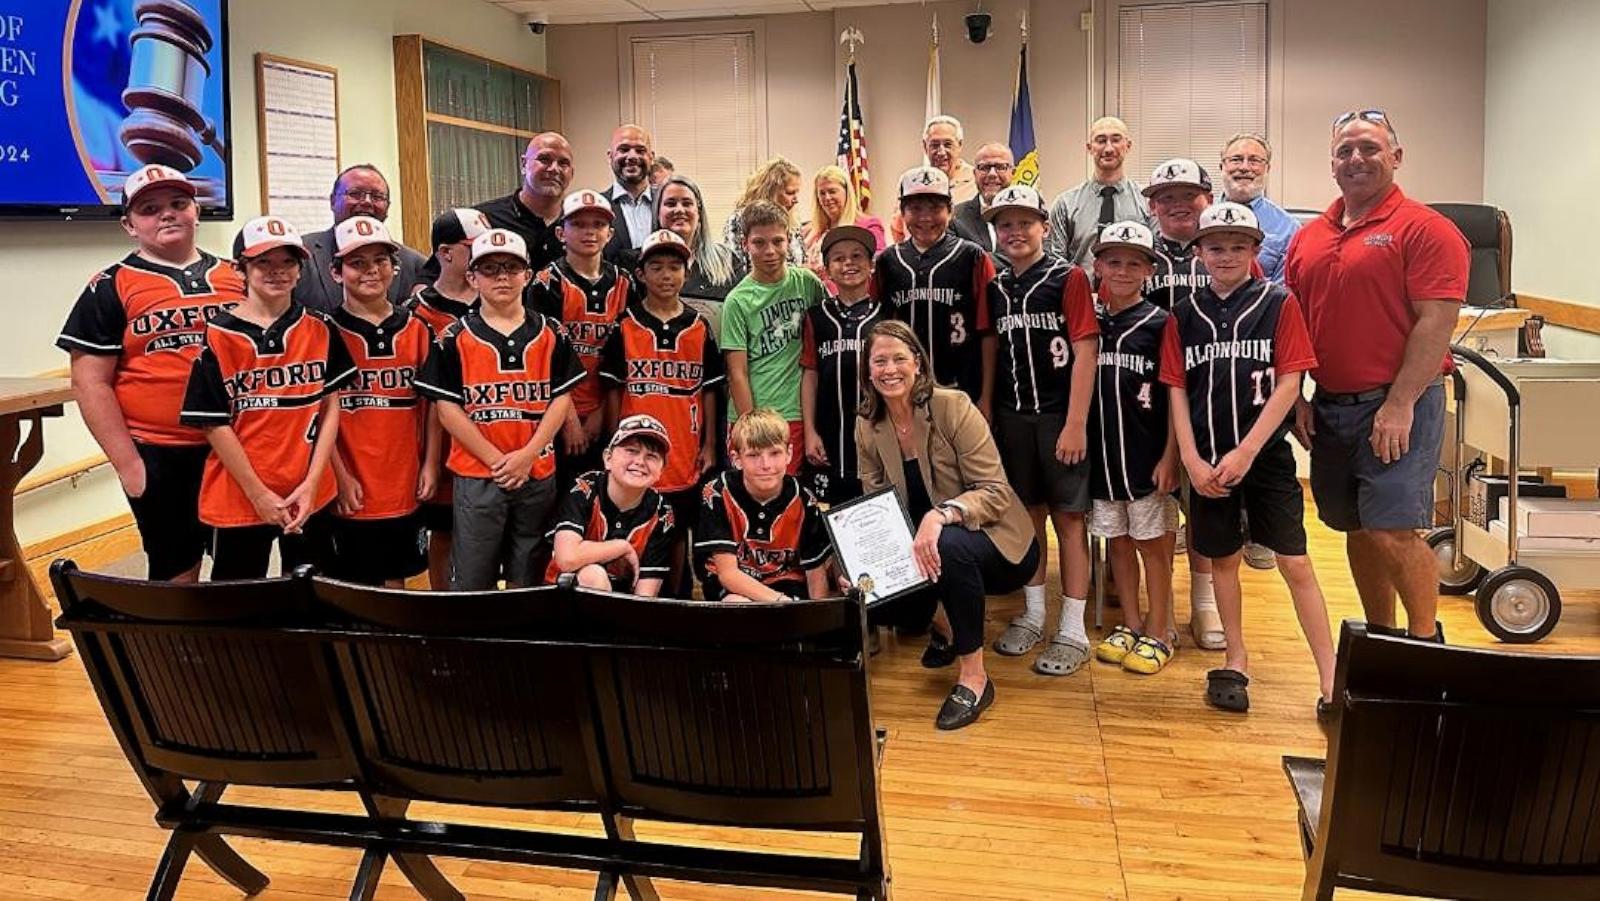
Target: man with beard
360 190
534 209
632 196
1246 160
994 166
1078 214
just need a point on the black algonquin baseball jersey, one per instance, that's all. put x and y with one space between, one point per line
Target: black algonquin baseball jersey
832 336
586 311
1179 272
1037 314
942 293
1128 431
1227 355
588 512
774 542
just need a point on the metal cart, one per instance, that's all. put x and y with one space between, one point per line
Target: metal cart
1529 414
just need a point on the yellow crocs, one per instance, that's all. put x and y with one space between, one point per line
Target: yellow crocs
1116 646
1147 657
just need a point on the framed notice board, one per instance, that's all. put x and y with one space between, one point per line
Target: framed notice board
297 128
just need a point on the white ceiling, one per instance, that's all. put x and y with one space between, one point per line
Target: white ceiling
575 12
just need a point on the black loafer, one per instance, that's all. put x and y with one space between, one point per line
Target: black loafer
939 653
962 707
1326 712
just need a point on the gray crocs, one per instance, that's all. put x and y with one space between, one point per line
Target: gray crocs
1061 658
1019 638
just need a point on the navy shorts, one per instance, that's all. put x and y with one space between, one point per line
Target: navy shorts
1355 490
1269 494
1027 444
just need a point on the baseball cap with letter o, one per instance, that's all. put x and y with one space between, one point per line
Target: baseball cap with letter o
1128 234
154 175
499 241
1178 172
262 234
1016 197
644 426
594 201
360 231
924 181
663 241
1223 218
455 226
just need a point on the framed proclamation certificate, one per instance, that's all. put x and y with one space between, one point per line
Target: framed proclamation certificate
872 538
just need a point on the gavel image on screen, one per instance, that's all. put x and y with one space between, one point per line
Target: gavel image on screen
166 85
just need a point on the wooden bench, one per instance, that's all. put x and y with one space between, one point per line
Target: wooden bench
1454 773
553 698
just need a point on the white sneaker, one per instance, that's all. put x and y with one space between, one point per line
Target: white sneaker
1259 557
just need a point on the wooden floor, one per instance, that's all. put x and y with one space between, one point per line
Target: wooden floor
1102 785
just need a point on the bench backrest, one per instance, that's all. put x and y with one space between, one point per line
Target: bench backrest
554 697
208 681
1473 773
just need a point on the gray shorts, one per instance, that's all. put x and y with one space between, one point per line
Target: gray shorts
1145 519
499 532
1027 445
1355 490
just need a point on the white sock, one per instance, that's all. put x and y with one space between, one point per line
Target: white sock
1201 595
1071 625
1033 609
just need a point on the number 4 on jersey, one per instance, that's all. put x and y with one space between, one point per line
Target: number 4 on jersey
1143 397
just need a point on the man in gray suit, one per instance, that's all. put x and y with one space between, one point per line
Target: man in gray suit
994 166
360 190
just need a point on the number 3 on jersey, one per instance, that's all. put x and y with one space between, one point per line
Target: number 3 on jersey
958 329
1270 376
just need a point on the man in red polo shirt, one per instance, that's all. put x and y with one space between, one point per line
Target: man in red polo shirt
1382 278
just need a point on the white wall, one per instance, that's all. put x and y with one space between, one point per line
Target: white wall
45 264
1541 138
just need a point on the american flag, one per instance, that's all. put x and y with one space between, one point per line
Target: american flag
853 141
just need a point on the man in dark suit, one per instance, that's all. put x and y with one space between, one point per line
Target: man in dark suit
632 196
994 167
360 190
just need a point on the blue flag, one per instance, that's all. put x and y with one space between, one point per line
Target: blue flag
1023 147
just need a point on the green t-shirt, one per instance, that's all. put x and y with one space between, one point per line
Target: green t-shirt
764 321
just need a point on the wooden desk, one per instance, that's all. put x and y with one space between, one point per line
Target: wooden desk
25 629
1492 333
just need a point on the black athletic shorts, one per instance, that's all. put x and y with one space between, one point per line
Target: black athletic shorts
168 513
1027 443
438 517
1269 494
828 485
245 552
373 551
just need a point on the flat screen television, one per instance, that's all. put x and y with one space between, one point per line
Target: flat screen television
90 90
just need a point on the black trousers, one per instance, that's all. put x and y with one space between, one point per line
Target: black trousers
245 552
972 568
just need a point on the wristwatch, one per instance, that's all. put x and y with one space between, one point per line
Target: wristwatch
948 512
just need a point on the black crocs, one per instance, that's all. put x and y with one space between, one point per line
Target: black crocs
1228 689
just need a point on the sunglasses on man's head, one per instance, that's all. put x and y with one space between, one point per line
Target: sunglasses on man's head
1376 116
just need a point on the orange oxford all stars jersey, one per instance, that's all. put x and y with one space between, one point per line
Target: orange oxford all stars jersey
151 317
438 311
774 542
505 383
588 512
268 384
381 416
587 312
664 369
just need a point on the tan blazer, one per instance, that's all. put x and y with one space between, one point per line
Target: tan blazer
960 465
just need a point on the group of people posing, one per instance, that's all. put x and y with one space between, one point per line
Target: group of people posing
584 382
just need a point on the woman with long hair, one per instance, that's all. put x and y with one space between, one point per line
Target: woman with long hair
776 181
973 536
834 203
713 269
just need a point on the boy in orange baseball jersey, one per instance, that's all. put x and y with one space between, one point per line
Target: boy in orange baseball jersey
666 363
134 334
265 389
380 464
585 295
761 536
613 530
500 378
440 304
